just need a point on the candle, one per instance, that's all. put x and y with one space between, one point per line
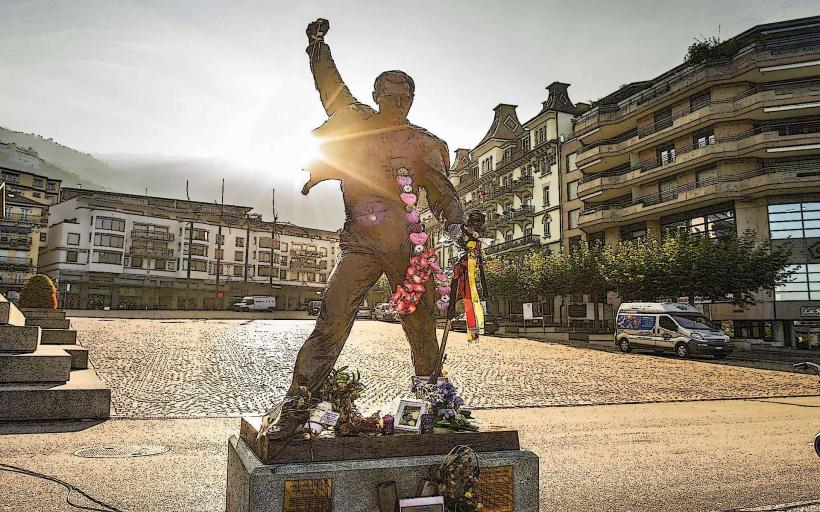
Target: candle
387 425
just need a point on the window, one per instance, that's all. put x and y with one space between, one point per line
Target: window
237 271
43 236
528 230
219 254
796 220
705 177
283 260
525 143
546 195
160 264
197 265
11 178
700 100
633 231
322 278
283 275
703 138
547 223
508 236
106 240
220 239
200 235
71 256
37 194
108 257
572 190
666 153
264 257
51 186
110 224
667 323
284 246
196 250
667 189
238 255
715 222
663 119
804 285
38 182
574 217
240 241
136 262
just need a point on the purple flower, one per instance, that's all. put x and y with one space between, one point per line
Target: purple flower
458 401
449 414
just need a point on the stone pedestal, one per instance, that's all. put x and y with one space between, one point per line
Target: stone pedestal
341 474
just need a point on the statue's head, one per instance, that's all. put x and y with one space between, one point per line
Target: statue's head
393 92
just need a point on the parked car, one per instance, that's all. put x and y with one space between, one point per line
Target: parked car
460 324
364 312
381 312
256 303
313 307
669 327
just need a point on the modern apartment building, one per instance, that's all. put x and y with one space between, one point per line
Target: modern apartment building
717 147
127 251
18 167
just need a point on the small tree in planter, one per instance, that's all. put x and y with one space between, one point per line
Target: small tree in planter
38 292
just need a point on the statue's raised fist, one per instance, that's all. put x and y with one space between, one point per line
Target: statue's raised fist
317 29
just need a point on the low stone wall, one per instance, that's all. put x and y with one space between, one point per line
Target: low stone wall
188 314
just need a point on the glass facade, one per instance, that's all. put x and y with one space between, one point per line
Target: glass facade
799 223
714 223
795 220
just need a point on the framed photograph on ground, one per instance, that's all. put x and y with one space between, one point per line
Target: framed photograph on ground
430 504
408 415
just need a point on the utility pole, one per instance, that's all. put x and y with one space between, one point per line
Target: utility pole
247 242
272 237
219 237
190 247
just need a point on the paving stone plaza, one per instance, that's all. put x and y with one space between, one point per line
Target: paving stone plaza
219 368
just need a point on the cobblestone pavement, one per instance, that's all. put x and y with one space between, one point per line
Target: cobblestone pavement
217 368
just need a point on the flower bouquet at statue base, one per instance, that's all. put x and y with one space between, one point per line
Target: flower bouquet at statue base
445 404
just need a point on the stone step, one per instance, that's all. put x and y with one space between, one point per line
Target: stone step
19 338
43 313
84 396
9 314
58 337
78 353
46 364
49 323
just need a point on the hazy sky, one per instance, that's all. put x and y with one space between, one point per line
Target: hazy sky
230 79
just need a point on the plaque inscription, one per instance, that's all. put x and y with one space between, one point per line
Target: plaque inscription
495 486
308 495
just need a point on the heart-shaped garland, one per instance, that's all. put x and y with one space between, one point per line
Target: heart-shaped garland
424 262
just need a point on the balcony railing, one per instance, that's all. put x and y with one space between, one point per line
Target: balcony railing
296 264
518 243
152 252
673 193
14 262
24 219
753 55
307 253
15 241
150 234
523 182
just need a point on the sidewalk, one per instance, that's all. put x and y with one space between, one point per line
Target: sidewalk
177 314
618 458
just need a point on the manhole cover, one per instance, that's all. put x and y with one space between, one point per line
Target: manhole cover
102 452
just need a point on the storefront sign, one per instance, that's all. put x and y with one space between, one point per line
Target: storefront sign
810 311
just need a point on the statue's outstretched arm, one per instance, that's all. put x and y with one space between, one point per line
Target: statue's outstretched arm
442 197
334 93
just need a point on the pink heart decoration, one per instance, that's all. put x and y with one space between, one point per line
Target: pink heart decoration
418 238
408 198
441 277
404 180
443 290
435 266
413 216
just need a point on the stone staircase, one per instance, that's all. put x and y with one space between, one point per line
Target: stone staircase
44 373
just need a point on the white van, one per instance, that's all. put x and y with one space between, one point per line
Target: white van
256 303
666 327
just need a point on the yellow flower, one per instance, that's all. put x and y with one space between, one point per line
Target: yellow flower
479 506
468 494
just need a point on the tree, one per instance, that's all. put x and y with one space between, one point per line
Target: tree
38 292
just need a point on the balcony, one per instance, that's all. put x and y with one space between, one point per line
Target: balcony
297 264
513 245
151 234
522 183
153 252
17 241
15 263
23 219
498 194
757 142
606 118
779 179
307 253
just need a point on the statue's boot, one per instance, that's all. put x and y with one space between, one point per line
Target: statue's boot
289 422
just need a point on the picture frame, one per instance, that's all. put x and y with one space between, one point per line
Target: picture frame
428 504
408 415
